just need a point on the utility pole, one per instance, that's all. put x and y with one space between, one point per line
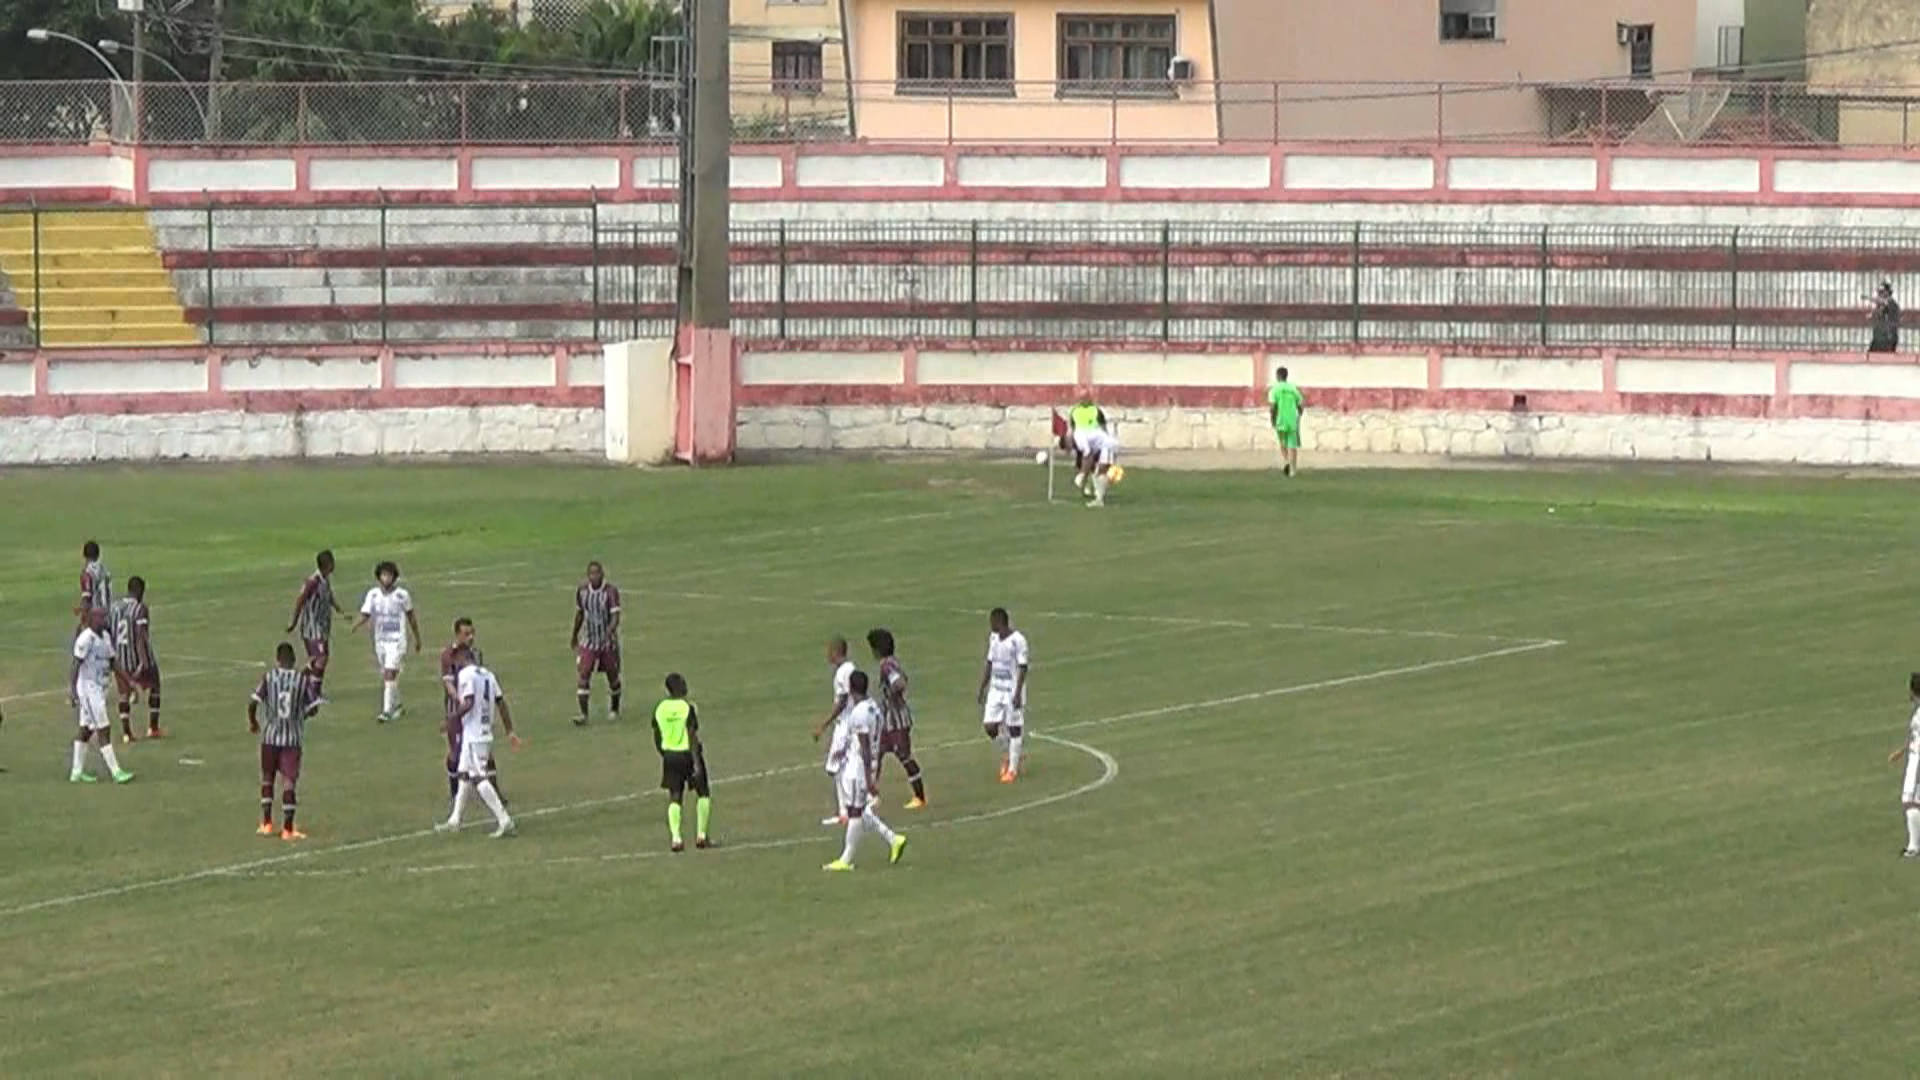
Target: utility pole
140 70
712 138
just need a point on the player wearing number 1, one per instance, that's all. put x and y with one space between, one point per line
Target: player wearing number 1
390 608
1284 406
291 697
481 700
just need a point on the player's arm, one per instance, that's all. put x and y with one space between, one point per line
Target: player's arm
449 681
1273 409
613 612
300 602
506 719
86 594
253 708
1898 753
413 626
366 614
579 620
693 735
1100 417
1020 687
867 755
143 645
839 706
986 672
73 677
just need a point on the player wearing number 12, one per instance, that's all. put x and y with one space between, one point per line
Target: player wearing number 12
291 697
135 668
683 761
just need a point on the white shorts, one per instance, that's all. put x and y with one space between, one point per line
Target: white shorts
1910 787
475 756
389 654
1095 445
93 708
850 788
1001 710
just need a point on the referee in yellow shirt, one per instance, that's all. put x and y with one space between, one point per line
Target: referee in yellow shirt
683 762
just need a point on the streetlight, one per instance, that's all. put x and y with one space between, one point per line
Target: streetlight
40 35
112 48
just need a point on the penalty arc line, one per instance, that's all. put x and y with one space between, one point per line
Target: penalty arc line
1109 772
151 884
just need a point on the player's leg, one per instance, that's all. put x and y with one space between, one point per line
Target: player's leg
903 749
453 756
93 717
317 665
289 764
1016 741
702 800
82 741
269 768
610 664
851 793
1910 803
387 657
673 777
153 703
473 763
127 688
1291 441
583 685
992 723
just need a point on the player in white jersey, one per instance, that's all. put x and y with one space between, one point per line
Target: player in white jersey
851 761
1098 448
92 663
843 672
1003 691
389 607
481 700
1910 787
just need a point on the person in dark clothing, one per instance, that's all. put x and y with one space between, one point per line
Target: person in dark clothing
1886 320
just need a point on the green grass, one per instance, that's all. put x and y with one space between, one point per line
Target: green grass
1663 848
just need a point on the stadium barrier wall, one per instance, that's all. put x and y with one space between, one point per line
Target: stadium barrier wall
855 174
236 404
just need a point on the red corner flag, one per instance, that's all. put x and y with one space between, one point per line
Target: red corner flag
1060 428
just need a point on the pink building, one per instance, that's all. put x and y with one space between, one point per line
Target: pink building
1067 71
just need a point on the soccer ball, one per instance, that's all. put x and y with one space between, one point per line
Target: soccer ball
1039 457
1115 474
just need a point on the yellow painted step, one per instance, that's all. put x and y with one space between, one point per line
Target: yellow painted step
78 337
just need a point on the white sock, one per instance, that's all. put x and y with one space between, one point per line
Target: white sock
853 839
106 755
873 822
1100 488
460 800
1000 741
1013 753
492 798
80 760
1913 828
389 696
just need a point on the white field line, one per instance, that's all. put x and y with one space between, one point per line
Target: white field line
150 884
1097 616
1109 772
33 695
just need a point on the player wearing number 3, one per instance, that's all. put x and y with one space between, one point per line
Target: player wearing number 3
291 697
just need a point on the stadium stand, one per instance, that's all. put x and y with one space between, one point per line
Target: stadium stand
97 278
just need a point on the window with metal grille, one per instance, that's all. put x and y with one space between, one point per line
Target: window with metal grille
956 54
1101 55
797 67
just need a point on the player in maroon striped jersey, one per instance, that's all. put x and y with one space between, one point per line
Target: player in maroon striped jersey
596 639
313 612
96 584
135 669
896 716
463 638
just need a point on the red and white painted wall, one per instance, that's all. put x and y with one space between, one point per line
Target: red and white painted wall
862 180
338 401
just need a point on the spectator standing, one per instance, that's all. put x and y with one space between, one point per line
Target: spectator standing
1886 321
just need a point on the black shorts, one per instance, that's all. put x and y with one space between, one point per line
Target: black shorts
681 769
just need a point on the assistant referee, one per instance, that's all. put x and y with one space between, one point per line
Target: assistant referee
683 763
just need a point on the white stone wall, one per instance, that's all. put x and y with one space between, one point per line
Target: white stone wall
235 436
1459 434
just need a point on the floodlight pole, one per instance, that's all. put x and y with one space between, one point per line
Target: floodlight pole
712 137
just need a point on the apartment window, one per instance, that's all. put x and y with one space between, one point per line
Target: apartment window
797 67
1107 54
956 54
1638 38
1469 20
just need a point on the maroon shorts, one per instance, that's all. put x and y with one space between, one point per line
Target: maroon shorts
148 680
284 760
317 654
603 660
898 742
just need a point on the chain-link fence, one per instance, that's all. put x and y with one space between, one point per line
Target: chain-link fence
258 275
545 112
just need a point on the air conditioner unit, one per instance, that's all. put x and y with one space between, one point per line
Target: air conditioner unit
1632 33
1181 70
1480 25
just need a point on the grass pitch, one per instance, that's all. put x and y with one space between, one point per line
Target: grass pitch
1362 775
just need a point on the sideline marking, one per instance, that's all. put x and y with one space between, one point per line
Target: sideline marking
150 884
1109 772
31 695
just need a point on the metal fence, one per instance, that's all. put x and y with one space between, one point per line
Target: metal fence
246 275
1708 113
